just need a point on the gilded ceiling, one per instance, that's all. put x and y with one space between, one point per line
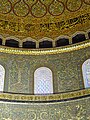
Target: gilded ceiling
43 18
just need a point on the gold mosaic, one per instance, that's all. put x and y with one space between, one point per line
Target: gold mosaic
38 19
47 51
52 97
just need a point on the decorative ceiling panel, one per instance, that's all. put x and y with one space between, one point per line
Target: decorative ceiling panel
43 18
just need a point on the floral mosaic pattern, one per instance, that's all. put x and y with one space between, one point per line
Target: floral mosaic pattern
71 110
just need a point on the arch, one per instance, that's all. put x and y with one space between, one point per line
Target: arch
78 38
2 75
12 38
45 44
12 43
62 42
29 44
43 81
86 73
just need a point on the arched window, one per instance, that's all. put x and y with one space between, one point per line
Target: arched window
45 44
43 81
12 43
29 44
86 73
2 75
78 38
62 42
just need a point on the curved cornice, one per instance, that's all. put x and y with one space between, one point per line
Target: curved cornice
44 98
69 48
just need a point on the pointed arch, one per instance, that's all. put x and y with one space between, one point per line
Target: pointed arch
29 44
43 81
78 38
45 44
62 42
12 43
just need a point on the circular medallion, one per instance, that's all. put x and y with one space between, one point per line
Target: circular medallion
5 6
73 5
38 9
56 8
44 116
32 116
21 9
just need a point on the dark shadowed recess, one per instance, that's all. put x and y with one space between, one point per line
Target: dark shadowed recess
29 44
62 42
89 35
45 44
0 41
12 43
78 38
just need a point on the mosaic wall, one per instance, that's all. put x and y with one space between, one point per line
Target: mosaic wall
37 19
70 110
66 68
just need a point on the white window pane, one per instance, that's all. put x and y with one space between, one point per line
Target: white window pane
86 73
2 74
43 83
